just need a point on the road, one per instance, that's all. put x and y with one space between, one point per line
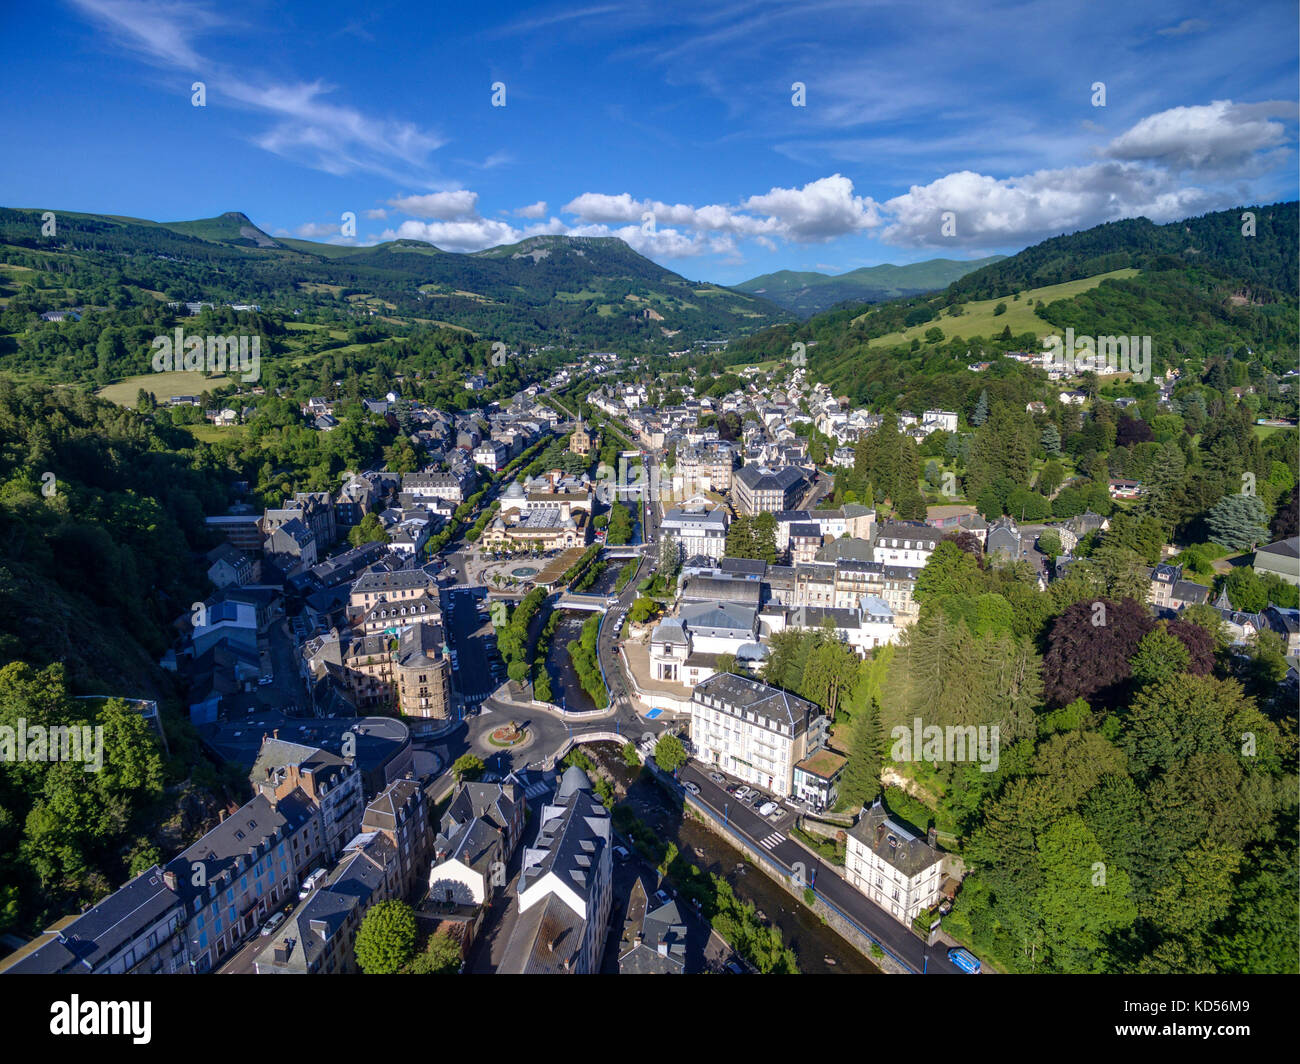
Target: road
772 835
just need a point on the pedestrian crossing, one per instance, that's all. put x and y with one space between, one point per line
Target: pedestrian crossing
772 841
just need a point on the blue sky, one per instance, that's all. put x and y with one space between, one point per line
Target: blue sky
670 124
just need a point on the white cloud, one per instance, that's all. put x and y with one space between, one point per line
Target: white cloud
376 213
821 210
1187 26
308 129
1216 137
989 212
317 230
533 210
457 205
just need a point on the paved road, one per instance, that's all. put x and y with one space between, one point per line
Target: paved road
772 835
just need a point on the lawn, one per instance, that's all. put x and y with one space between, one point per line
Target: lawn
162 385
209 433
978 318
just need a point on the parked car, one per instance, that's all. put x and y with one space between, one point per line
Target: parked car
743 793
692 786
965 960
767 808
716 777
276 920
622 853
264 681
310 883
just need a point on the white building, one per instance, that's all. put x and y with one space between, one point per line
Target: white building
754 732
904 544
564 887
699 531
901 873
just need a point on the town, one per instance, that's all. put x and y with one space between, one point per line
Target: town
373 654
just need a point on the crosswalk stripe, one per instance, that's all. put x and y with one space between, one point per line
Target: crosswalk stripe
773 840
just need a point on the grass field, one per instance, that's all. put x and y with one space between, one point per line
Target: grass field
978 318
162 385
1265 431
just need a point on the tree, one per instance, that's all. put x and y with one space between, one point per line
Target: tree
670 755
1239 521
860 782
385 940
642 610
1159 656
467 767
442 956
1088 650
1051 441
369 530
981 413
1049 542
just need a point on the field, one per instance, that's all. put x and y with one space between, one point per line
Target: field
162 385
978 318
209 433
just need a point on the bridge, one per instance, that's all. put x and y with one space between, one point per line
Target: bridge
592 603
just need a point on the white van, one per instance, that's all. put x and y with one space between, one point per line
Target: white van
310 883
767 809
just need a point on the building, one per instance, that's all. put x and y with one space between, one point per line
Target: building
899 543
756 489
477 837
422 672
136 929
582 442
564 889
700 531
243 870
231 567
894 868
685 649
1003 539
331 784
817 778
1169 591
754 732
654 935
1282 559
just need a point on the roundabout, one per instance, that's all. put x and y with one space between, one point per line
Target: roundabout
508 736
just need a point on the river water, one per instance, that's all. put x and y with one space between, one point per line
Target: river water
801 930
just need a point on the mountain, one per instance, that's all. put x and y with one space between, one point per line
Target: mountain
807 293
1200 288
549 290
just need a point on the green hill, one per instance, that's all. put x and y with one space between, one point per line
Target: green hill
807 292
551 290
1199 288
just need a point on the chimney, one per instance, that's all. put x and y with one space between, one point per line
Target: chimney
169 880
932 837
275 733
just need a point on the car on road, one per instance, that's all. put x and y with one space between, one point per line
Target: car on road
276 920
965 960
264 681
309 884
622 853
716 777
692 787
